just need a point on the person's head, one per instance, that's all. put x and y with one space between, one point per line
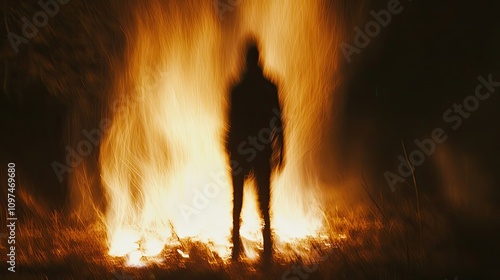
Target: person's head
252 55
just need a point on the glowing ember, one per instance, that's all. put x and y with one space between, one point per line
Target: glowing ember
184 255
163 163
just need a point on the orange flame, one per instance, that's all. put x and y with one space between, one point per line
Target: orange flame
163 163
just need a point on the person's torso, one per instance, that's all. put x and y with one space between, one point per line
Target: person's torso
253 103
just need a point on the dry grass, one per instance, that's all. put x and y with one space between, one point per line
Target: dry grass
388 246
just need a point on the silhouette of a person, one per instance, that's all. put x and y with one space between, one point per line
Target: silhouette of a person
254 143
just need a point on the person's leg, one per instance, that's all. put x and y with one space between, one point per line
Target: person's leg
238 182
262 179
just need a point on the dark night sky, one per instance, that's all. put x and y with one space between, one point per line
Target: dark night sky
427 59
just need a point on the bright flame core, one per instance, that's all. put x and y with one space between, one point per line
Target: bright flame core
163 163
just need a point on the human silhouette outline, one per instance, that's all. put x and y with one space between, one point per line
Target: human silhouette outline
254 143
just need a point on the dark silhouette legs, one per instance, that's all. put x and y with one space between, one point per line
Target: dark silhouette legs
262 179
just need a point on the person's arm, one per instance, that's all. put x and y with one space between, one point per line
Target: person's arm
278 131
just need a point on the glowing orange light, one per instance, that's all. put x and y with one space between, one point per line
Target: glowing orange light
163 163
